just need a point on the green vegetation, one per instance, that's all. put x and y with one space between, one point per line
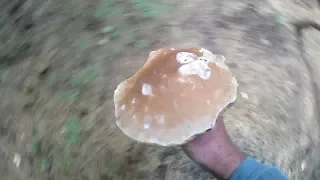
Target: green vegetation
142 44
105 177
142 8
113 165
64 161
3 73
280 19
119 24
84 42
72 130
52 78
107 29
45 5
150 8
123 29
68 96
85 76
44 165
36 145
143 174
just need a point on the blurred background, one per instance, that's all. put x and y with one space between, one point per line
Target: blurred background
60 62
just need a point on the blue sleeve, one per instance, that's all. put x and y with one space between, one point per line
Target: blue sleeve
250 169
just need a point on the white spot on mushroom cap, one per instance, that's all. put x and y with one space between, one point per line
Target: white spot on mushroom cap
133 101
147 89
198 67
210 56
123 107
208 102
147 121
146 126
160 119
182 80
185 57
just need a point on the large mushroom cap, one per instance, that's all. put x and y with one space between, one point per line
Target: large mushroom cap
177 94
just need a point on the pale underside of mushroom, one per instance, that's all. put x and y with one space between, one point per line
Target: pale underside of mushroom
177 94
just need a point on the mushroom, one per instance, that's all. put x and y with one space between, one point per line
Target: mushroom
176 95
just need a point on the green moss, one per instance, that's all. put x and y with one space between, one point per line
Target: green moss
72 130
68 96
44 165
142 44
85 76
36 145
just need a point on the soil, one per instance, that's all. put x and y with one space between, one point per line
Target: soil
60 62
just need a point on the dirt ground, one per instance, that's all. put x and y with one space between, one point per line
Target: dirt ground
60 62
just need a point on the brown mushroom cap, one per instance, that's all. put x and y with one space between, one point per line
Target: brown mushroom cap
177 94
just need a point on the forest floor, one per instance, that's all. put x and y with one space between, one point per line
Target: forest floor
60 62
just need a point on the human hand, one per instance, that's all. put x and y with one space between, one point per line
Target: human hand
215 152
